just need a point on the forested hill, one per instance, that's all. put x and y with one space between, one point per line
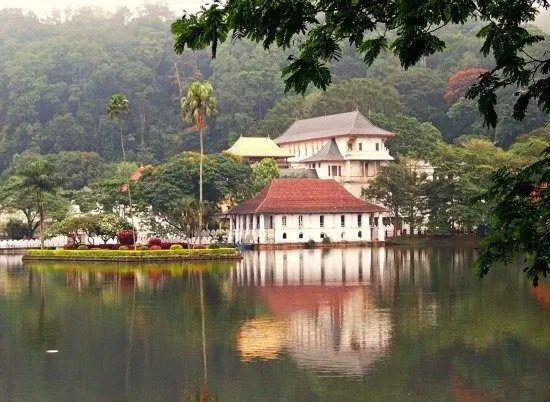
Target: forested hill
56 77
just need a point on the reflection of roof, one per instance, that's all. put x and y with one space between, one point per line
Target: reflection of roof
329 153
306 196
284 300
298 173
352 123
257 147
260 339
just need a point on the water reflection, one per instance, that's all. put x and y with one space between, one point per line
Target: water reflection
390 323
327 316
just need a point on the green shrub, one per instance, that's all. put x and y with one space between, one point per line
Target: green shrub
213 246
176 247
82 247
310 244
123 248
143 248
326 239
131 254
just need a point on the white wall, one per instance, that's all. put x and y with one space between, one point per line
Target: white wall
310 228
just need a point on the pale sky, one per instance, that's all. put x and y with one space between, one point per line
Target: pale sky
43 7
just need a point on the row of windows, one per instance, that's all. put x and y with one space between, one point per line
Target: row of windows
298 151
322 235
247 223
322 221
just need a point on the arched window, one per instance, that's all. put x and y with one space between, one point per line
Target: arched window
300 235
322 235
343 235
284 236
359 234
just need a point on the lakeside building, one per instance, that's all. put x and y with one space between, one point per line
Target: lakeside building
294 211
254 149
344 147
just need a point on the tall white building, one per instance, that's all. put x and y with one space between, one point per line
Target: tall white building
345 147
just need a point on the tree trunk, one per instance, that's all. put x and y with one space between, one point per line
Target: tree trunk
41 216
200 186
129 191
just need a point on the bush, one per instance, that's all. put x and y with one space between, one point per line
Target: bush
125 237
310 244
176 247
131 254
155 247
167 245
82 247
326 239
143 248
154 241
213 246
123 248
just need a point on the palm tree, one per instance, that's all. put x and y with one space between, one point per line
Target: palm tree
117 109
37 176
199 104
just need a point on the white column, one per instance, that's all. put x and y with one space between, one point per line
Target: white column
381 229
367 226
230 237
261 232
254 228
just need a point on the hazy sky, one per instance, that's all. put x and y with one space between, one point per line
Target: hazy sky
43 7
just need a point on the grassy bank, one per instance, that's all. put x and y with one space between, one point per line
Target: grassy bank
131 255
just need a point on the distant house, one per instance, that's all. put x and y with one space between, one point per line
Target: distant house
344 147
291 211
254 149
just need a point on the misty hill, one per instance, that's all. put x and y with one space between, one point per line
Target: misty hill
56 76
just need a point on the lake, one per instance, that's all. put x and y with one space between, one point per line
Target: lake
380 324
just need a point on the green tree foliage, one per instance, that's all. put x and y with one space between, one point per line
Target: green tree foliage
199 104
31 190
412 37
521 219
262 174
399 188
105 226
169 188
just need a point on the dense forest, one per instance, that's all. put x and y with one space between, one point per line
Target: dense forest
57 74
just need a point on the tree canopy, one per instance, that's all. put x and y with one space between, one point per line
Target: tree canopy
409 29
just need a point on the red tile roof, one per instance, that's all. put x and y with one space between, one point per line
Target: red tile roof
304 196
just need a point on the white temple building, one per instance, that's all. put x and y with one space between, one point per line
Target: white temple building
291 211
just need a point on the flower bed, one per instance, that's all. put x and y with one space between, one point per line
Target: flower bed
131 255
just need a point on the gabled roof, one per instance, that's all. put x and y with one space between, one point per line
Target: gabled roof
257 147
304 196
336 125
329 153
298 173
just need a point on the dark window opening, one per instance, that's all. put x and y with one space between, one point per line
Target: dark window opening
284 236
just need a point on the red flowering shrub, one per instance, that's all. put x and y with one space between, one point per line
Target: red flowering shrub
125 237
155 247
154 241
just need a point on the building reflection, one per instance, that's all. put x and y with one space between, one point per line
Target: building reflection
332 308
14 278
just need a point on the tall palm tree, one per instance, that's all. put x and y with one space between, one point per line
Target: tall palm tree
199 104
117 109
37 176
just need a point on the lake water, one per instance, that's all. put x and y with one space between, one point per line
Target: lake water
305 325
